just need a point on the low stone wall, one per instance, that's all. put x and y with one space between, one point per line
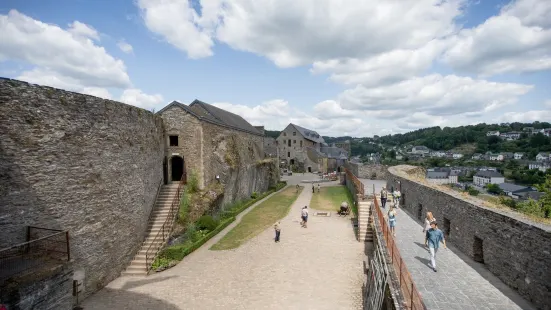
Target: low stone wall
48 290
368 171
515 249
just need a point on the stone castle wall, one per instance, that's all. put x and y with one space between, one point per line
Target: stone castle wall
78 163
366 171
516 250
238 158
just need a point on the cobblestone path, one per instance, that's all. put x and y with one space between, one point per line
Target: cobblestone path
315 268
460 283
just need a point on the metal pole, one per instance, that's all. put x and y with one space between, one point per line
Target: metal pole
68 247
411 294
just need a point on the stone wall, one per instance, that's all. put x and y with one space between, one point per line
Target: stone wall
366 171
515 249
50 289
78 163
238 158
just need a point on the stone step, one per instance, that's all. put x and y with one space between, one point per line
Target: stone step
134 268
134 273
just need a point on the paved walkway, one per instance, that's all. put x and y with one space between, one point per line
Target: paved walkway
460 283
315 268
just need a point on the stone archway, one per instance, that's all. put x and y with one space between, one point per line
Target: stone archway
177 168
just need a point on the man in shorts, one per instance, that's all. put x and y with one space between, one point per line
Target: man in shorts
304 217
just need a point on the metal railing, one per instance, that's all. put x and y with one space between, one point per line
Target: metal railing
412 297
163 234
43 244
357 183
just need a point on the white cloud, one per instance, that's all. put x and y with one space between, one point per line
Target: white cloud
138 98
125 47
517 40
434 94
82 30
547 103
178 23
528 116
69 53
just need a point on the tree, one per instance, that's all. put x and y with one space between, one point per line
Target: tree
392 154
494 189
545 200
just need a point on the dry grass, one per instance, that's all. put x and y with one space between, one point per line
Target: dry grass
467 148
259 219
330 198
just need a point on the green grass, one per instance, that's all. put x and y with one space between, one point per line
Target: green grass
258 219
330 199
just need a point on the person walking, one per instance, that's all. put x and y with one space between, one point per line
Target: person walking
318 187
392 220
428 219
304 216
313 190
277 229
397 196
433 237
298 187
384 195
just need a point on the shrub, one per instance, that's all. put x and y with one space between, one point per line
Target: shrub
373 176
473 192
182 211
254 195
509 202
193 183
206 222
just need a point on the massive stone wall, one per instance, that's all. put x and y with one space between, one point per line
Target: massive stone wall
78 163
238 158
367 171
515 249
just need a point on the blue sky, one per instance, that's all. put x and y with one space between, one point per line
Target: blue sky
465 62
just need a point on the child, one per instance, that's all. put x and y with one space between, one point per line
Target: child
277 229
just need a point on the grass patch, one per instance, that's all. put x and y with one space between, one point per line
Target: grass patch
258 219
330 199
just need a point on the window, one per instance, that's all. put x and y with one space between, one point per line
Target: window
478 250
294 133
173 140
300 143
294 141
420 211
284 134
289 154
447 228
288 142
283 141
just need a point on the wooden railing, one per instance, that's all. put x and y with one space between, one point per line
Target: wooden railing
411 295
357 183
165 231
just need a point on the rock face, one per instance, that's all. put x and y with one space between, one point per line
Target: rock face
78 163
515 249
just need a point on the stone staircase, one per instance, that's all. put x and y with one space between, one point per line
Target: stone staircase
157 218
365 229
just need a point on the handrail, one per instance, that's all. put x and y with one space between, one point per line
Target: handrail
411 295
166 228
151 213
357 183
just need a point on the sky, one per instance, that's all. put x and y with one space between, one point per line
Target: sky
340 67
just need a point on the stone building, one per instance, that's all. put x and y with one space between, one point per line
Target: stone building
213 144
293 143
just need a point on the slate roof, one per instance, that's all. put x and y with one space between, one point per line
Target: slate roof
508 187
489 174
227 118
308 134
209 113
334 152
530 195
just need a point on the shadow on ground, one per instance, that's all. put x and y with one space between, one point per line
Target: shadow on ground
123 300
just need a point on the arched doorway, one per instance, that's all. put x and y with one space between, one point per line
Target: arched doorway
177 168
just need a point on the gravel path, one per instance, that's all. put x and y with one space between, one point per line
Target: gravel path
315 268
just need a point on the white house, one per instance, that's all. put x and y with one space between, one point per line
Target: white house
457 155
498 157
442 177
518 155
513 135
422 150
492 133
543 156
477 156
540 165
481 178
546 132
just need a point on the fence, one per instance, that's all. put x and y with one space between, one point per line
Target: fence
411 295
376 280
357 183
43 244
165 231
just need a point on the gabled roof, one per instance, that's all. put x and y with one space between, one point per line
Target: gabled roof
308 134
209 113
227 118
437 174
508 187
489 174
